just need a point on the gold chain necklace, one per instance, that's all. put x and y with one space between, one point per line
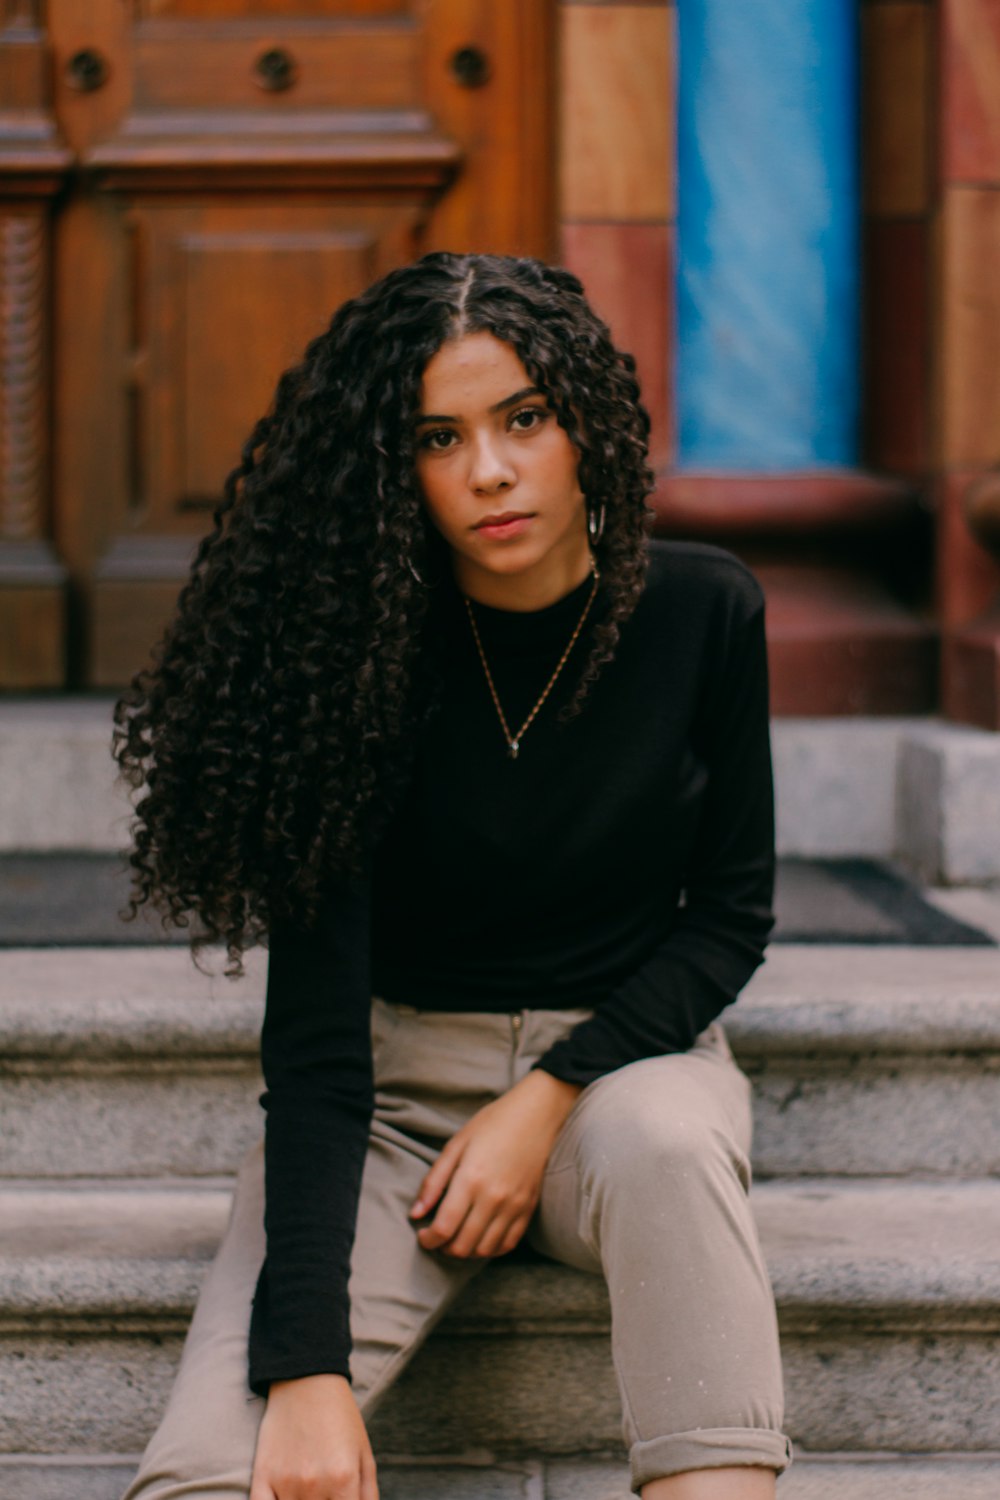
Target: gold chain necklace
514 741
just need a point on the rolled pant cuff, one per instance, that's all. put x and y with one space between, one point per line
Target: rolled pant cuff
708 1448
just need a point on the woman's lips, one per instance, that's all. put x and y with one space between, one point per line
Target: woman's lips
501 529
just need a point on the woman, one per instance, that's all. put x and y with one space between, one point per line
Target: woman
491 771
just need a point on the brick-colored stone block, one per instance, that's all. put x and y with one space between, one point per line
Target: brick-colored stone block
895 95
967 580
617 106
627 270
970 674
897 345
970 104
967 388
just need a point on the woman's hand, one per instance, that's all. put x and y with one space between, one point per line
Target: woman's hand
488 1178
312 1444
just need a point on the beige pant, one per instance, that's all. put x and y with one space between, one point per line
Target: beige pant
647 1185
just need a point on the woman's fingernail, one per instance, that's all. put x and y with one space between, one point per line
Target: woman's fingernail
418 1209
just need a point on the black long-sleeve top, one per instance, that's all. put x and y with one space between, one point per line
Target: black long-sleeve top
624 861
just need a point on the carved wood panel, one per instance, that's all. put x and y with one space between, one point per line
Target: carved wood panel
223 174
225 297
20 15
252 9
22 355
32 166
354 58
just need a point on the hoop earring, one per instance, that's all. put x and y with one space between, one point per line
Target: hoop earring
595 523
413 570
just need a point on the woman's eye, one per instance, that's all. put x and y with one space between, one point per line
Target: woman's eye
431 439
528 417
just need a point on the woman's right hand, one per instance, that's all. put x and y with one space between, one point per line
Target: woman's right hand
312 1443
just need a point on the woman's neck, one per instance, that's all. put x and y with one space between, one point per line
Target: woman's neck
521 593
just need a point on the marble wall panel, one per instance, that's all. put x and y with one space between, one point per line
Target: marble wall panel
616 156
896 44
896 402
627 270
970 90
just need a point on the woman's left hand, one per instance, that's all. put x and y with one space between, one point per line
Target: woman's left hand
488 1178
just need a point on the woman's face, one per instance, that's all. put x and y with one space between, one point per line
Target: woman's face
488 446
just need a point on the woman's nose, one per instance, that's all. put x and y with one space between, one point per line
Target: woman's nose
490 467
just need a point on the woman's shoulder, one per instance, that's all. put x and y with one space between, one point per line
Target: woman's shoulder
701 575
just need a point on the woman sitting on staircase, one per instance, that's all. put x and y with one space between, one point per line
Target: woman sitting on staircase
489 771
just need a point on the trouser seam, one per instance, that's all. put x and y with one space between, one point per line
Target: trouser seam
400 1358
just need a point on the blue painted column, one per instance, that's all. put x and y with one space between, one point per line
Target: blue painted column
768 207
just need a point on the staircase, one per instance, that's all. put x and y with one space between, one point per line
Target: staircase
128 1091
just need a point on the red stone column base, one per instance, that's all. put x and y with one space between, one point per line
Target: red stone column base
840 642
970 672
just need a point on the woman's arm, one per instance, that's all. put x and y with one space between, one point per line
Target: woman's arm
717 939
316 1059
313 1441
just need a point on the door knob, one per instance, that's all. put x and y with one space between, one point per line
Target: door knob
470 67
87 70
275 69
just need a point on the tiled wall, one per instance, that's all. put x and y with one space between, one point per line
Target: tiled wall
897 55
966 332
617 180
618 201
930 147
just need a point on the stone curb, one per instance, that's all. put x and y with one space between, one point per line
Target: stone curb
833 1477
947 794
916 788
79 1003
880 1255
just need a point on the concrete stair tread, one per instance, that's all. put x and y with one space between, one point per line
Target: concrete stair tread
80 1002
879 1253
888 1296
828 1477
913 786
865 1061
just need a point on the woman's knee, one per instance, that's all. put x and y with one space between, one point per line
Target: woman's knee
644 1133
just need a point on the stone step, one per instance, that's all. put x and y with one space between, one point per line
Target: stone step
811 1477
917 789
888 1295
865 1061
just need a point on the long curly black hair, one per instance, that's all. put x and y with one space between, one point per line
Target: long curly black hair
275 728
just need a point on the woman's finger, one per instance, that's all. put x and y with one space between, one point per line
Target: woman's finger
514 1235
493 1237
477 1223
369 1478
449 1218
437 1179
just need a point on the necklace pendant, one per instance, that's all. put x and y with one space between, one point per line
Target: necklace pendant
513 748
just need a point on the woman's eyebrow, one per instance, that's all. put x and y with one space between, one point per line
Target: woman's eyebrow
529 390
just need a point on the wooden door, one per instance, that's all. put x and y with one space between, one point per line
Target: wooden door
236 168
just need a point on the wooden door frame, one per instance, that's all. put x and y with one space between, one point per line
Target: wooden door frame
33 166
499 135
